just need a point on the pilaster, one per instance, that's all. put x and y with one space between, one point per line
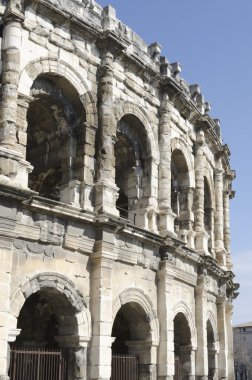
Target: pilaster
201 238
166 216
101 305
227 195
201 369
223 341
166 345
219 215
105 188
13 167
230 358
89 167
7 225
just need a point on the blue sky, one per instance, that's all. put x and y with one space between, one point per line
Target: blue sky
212 40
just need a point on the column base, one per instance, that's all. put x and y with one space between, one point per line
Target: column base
70 193
201 242
146 218
106 194
14 169
86 198
220 253
166 221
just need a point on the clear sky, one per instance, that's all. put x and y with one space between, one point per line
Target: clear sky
212 39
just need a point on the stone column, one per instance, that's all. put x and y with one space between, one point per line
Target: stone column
222 330
219 215
229 313
166 345
201 323
7 223
106 191
201 238
89 166
227 195
101 305
13 167
166 215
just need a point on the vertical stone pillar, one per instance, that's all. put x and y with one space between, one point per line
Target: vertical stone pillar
219 215
5 279
22 108
11 160
222 330
227 195
101 305
105 188
200 313
7 221
201 238
166 345
166 215
89 167
229 313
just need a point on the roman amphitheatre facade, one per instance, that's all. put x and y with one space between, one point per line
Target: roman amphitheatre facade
114 205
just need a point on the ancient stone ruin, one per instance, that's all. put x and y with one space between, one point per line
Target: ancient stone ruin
114 205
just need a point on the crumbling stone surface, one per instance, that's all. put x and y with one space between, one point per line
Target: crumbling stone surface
114 199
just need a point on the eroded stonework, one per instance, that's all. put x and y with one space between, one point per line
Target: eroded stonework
115 189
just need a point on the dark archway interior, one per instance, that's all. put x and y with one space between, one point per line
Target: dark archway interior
125 162
55 135
130 150
44 316
211 350
179 182
182 333
130 325
182 342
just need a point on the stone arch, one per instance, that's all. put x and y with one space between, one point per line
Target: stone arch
128 108
179 144
58 67
142 299
64 286
184 309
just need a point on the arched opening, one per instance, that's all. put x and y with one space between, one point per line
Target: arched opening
182 347
208 212
55 136
131 151
47 345
211 351
180 186
131 333
44 317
